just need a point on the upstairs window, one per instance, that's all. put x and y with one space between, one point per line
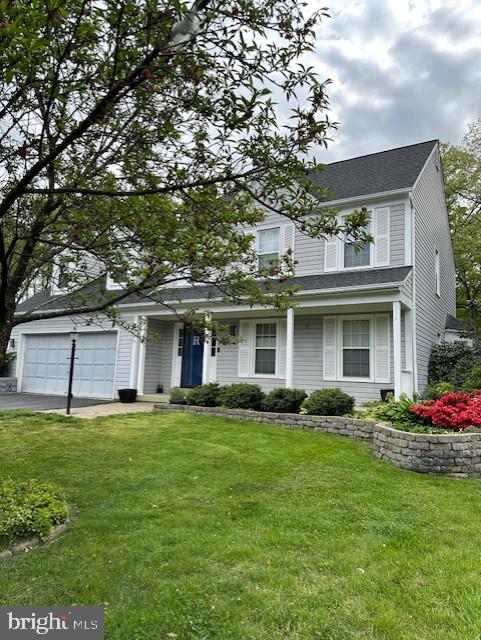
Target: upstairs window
437 273
355 349
357 255
265 349
267 246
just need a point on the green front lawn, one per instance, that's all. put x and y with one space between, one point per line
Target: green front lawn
191 527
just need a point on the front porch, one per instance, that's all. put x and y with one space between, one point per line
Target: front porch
361 343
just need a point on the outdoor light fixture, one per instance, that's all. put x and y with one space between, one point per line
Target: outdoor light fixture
73 337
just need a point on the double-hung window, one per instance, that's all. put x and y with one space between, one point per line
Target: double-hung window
355 349
265 348
267 246
357 254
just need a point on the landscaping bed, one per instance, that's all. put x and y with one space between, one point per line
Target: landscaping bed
453 454
193 527
29 511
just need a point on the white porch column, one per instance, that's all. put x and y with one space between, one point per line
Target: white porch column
141 358
396 332
409 349
290 349
134 359
206 352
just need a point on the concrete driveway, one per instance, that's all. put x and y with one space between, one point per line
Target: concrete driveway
40 402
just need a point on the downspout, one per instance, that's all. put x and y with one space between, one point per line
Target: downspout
413 263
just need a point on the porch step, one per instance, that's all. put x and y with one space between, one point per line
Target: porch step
153 397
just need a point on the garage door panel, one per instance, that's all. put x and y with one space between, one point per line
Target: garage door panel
47 360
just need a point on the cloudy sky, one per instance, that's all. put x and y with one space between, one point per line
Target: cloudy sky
403 71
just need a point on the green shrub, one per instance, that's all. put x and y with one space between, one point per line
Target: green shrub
398 412
452 362
473 381
206 395
177 396
242 396
6 363
328 402
29 510
284 400
437 389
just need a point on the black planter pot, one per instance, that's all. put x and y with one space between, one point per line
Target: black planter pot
127 395
384 393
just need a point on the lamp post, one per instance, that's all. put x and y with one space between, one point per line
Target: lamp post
73 337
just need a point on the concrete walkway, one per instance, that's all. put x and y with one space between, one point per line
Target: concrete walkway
111 409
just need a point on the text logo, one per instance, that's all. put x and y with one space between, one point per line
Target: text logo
58 623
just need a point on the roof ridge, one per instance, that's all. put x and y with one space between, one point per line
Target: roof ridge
378 153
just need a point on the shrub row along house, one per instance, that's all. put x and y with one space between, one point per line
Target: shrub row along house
364 320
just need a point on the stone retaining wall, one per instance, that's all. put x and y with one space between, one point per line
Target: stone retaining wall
456 455
351 427
441 454
8 385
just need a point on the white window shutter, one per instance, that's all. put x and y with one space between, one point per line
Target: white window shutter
330 253
330 348
288 235
244 348
381 236
381 349
282 348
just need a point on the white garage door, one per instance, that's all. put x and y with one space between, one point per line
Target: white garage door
47 359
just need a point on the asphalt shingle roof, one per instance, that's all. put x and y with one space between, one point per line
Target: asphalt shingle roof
454 324
321 282
374 173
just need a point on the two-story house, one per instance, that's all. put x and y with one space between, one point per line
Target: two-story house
363 321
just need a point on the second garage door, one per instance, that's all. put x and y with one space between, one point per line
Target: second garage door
47 358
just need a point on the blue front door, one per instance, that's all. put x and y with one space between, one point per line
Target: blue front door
192 357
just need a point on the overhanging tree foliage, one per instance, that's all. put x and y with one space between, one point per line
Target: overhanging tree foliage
140 138
462 175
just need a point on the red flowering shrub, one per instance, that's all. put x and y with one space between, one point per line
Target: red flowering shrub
452 411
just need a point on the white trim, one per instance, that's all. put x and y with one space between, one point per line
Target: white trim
176 373
134 358
290 349
206 352
437 272
397 348
269 227
413 293
110 284
368 197
408 234
253 329
142 354
428 160
340 347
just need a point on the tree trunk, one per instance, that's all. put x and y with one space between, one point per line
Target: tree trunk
7 314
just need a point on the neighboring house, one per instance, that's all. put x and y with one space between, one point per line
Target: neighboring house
364 321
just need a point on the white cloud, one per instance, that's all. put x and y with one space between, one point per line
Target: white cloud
403 71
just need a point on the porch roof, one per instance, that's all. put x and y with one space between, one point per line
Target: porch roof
319 283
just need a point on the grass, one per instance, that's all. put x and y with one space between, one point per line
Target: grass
191 527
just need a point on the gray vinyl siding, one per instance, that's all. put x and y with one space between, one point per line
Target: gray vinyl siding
68 323
158 355
308 364
309 252
397 223
167 340
431 232
227 367
153 351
